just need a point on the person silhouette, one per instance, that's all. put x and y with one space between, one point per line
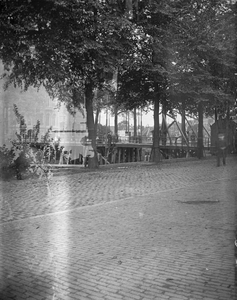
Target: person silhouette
221 146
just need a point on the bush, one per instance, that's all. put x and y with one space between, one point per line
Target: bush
6 168
23 159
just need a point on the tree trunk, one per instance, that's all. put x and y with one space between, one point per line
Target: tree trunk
156 133
216 118
183 123
128 125
116 122
200 131
163 125
135 123
96 119
93 161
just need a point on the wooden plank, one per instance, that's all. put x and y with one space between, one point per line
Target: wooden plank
133 145
136 154
119 155
167 128
125 147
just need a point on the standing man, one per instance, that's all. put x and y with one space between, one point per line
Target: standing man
221 146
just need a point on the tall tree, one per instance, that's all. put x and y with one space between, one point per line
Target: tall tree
65 43
204 58
145 81
184 65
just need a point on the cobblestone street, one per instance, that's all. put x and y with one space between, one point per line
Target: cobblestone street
135 231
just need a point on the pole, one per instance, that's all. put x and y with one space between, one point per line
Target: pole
135 123
106 124
141 121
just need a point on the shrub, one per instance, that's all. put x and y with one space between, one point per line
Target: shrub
6 166
22 157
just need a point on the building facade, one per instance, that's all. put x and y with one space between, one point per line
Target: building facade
36 105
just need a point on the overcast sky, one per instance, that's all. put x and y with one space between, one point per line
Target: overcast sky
147 119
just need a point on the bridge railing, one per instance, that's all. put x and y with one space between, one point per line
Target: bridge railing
175 141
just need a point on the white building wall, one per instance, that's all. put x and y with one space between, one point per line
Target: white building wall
34 105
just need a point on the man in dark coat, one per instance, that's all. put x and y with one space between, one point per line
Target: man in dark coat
221 148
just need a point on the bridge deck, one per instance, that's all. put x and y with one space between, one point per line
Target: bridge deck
149 145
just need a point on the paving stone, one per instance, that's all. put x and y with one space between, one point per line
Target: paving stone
166 230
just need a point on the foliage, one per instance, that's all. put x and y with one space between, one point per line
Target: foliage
39 165
22 158
103 130
160 50
146 79
204 58
71 96
187 61
62 43
72 44
6 158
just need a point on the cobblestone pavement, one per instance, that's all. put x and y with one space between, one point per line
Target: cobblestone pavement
139 231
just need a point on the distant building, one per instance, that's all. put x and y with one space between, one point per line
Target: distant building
174 130
36 105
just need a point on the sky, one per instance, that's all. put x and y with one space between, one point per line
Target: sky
147 119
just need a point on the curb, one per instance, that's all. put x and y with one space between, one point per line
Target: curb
75 169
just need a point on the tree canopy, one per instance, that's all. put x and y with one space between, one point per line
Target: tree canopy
191 61
50 42
205 57
172 53
74 44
